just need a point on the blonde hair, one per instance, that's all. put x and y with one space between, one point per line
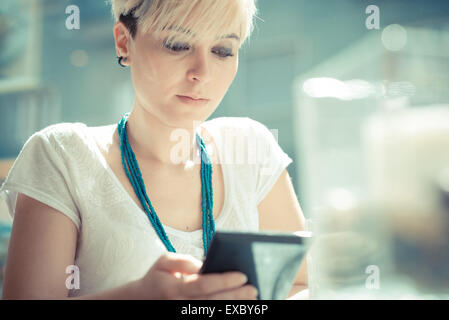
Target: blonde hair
196 18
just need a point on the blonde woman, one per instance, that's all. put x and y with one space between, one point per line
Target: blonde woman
127 211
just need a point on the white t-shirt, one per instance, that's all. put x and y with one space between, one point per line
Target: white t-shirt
63 167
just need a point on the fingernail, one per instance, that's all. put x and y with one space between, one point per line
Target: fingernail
255 292
243 278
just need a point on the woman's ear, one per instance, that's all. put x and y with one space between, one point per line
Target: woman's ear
122 39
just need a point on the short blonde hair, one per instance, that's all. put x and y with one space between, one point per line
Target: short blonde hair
202 18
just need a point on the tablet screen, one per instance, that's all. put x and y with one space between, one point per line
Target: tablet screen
270 260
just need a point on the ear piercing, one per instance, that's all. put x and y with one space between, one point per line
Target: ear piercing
120 61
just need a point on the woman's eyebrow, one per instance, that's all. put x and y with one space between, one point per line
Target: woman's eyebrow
230 36
226 36
180 29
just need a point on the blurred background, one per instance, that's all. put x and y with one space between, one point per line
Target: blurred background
337 90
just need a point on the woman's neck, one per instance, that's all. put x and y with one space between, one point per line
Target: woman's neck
160 143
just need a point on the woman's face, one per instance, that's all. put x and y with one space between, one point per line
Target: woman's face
162 73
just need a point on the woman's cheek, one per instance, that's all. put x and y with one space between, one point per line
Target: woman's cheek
232 72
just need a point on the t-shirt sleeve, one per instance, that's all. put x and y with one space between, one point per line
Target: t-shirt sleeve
271 160
40 173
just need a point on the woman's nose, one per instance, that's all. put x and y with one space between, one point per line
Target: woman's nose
199 70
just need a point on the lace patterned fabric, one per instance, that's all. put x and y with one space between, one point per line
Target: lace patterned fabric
62 167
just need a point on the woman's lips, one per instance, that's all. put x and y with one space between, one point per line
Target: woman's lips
193 102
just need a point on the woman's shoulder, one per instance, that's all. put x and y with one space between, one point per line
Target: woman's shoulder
105 137
76 130
62 130
62 137
242 127
235 123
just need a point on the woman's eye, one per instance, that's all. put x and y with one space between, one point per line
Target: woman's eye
176 46
181 46
223 52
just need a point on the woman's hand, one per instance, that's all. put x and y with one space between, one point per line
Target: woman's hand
298 292
164 281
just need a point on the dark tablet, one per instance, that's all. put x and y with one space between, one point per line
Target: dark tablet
269 260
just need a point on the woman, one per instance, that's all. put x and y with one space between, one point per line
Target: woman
97 208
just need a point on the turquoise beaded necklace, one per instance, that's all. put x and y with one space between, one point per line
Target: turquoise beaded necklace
135 177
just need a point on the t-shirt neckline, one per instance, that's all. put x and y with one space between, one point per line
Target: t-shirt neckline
218 221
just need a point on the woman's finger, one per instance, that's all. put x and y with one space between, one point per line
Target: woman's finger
205 284
175 262
247 292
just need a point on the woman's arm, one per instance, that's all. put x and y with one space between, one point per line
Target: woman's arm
41 246
43 243
280 211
